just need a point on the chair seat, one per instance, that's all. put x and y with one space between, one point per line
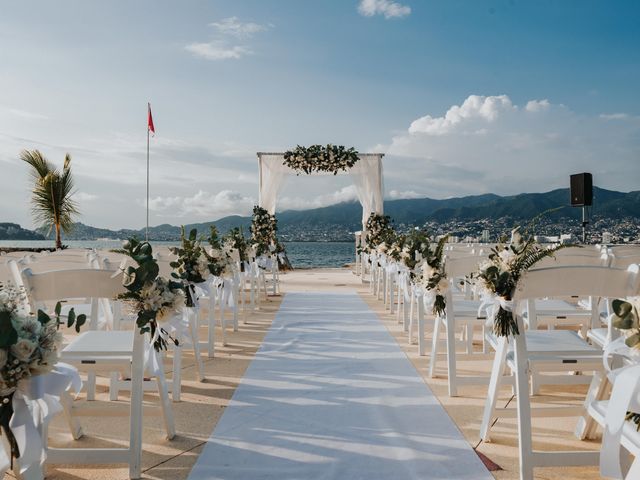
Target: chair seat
558 346
598 336
101 344
630 434
554 306
467 308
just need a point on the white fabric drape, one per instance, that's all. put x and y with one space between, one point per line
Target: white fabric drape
366 175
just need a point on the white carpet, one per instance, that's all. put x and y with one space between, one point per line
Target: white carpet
330 395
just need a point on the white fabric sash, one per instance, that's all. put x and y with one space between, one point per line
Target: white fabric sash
35 401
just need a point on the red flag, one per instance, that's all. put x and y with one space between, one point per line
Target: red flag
150 121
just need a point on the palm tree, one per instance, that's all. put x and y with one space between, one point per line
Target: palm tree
51 202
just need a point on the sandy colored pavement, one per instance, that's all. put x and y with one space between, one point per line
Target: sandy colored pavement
203 403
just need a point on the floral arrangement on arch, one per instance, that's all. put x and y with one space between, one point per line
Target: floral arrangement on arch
152 297
500 274
29 346
321 158
378 232
264 227
432 277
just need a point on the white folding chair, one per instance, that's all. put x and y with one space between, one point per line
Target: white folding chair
100 351
551 351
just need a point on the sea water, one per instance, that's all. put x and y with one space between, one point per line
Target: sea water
301 254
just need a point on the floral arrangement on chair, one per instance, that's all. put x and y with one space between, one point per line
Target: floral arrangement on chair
151 296
29 346
625 317
235 240
219 261
416 248
499 275
432 276
320 158
192 265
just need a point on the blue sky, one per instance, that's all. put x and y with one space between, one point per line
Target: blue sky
464 97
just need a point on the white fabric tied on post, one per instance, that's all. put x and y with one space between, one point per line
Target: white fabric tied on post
625 397
490 303
35 402
366 175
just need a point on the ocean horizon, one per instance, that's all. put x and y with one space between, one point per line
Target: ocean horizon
301 254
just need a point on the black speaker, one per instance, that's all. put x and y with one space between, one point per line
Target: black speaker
581 190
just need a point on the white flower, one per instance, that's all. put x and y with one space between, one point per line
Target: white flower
443 285
27 327
23 349
506 255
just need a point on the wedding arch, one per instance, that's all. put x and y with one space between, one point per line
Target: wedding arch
366 174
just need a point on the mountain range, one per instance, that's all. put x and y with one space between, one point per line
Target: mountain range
346 216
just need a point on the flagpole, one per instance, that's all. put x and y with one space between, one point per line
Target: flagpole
146 235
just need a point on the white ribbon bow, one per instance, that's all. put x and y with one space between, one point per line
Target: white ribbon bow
35 401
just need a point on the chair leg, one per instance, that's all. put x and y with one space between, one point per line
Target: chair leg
497 372
524 408
114 386
586 426
195 340
91 386
176 379
165 405
435 340
135 432
211 325
451 356
421 345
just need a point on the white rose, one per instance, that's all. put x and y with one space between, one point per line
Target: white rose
23 349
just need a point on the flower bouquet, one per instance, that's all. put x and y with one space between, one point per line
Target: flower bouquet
500 274
152 297
192 265
432 277
378 231
234 240
29 346
320 158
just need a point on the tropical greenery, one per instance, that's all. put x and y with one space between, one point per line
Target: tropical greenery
234 239
378 231
500 274
51 201
321 158
191 265
433 277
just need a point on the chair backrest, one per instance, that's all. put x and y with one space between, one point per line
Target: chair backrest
77 283
575 259
565 281
623 261
457 267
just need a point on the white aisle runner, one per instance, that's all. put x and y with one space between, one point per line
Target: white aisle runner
330 395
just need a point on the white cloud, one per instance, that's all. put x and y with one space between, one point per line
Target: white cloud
84 197
216 50
233 26
223 46
614 116
345 194
400 194
489 144
203 205
475 107
389 9
537 105
16 112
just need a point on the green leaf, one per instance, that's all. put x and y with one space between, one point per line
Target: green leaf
633 340
80 321
71 317
58 309
627 322
43 318
621 308
8 334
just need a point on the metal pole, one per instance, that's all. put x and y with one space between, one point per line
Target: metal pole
146 234
584 224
